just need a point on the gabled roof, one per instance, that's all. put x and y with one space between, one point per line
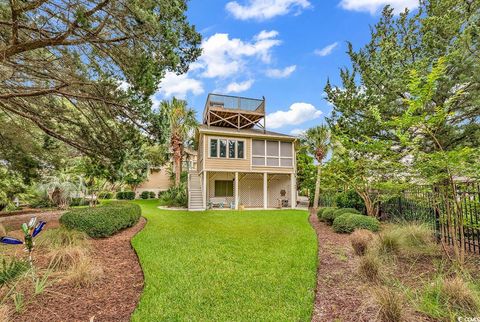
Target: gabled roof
243 132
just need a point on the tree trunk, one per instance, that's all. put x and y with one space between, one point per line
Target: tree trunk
177 158
317 189
369 204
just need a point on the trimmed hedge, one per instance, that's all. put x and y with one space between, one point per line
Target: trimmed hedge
102 221
105 195
342 211
327 215
125 195
145 194
347 223
321 211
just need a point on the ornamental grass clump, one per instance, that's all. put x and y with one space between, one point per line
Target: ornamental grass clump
61 237
407 239
390 304
63 258
84 273
456 294
360 240
389 243
370 268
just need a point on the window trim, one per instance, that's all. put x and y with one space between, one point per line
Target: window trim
227 157
279 157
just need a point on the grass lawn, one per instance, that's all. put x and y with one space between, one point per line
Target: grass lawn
226 265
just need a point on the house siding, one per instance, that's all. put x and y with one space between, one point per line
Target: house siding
225 164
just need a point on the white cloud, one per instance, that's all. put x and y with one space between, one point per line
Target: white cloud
235 87
374 6
298 113
179 85
327 50
297 132
224 57
281 73
265 9
266 34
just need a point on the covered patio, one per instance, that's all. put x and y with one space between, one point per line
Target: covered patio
248 190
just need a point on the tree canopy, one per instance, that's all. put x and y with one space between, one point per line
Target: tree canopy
83 71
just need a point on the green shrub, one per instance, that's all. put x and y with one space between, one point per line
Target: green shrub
329 216
78 202
349 199
102 221
125 195
145 194
322 210
175 197
347 223
342 211
105 195
152 195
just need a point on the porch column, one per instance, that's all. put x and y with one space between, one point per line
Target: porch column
236 190
293 191
204 189
265 191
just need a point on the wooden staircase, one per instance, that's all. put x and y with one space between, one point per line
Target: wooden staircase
195 196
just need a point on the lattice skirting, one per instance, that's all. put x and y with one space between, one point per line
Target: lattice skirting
250 188
277 183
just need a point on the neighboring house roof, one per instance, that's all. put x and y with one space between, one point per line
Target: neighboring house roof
243 132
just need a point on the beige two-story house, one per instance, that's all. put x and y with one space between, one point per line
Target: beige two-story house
239 163
159 179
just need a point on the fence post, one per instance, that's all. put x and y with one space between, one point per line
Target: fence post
438 233
400 205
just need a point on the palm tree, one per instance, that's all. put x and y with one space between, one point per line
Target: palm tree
318 143
181 122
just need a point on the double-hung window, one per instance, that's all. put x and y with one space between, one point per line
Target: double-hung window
272 153
227 148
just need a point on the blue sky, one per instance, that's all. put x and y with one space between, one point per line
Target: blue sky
284 50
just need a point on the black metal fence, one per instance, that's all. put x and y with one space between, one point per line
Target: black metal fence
434 205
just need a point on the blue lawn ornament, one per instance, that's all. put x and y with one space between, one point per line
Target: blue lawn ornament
30 230
10 240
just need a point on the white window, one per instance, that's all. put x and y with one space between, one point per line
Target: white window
227 148
272 153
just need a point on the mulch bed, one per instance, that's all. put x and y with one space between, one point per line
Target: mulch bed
339 291
13 222
113 298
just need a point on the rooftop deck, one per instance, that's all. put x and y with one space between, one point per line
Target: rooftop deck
234 111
